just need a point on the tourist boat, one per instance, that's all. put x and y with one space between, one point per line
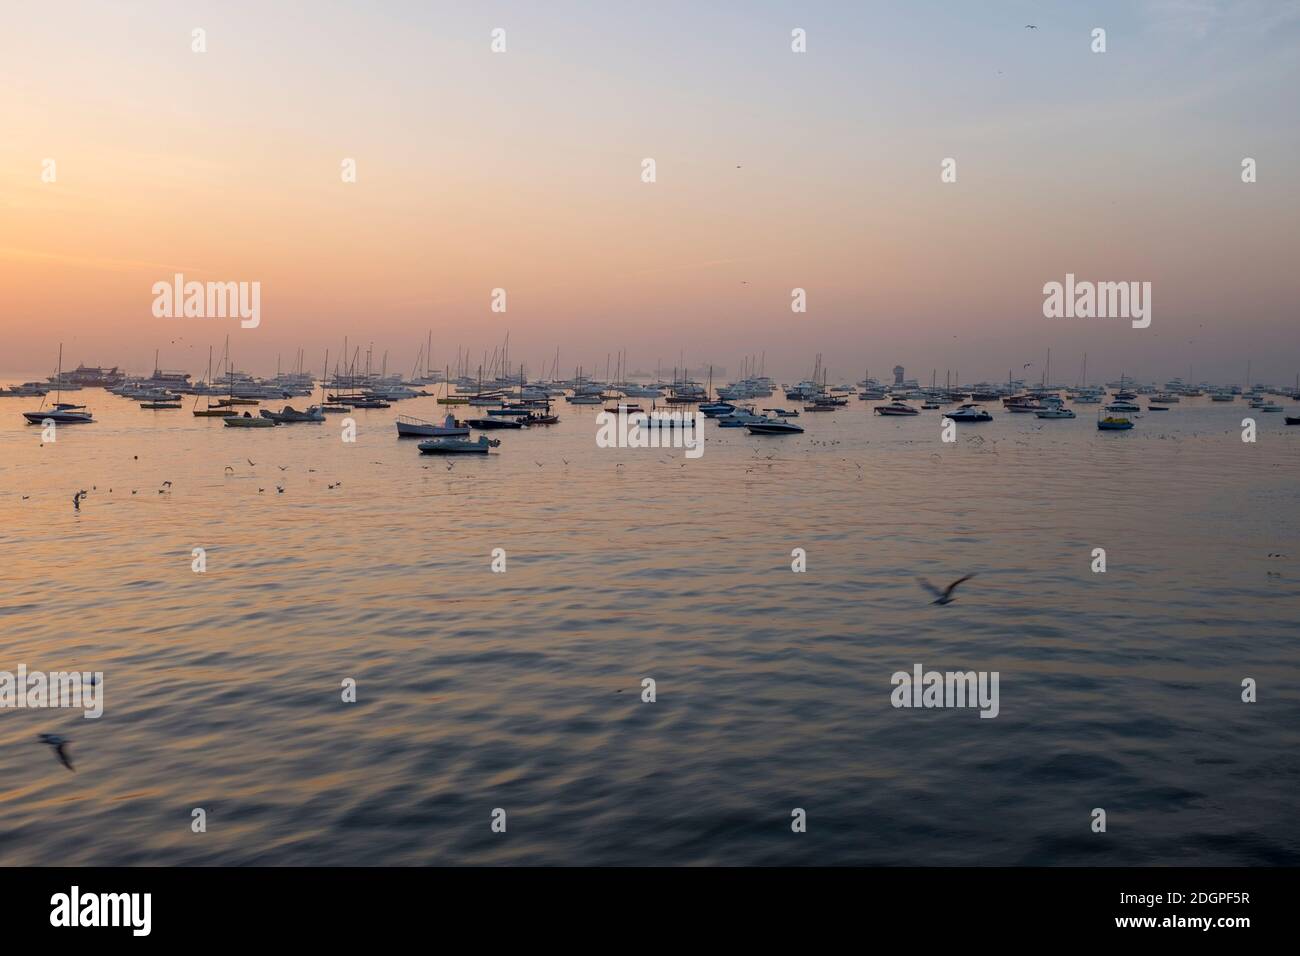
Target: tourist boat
248 421
541 418
773 426
970 412
896 408
408 427
61 413
458 446
291 416
1114 423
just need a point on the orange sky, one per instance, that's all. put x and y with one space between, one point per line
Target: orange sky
522 170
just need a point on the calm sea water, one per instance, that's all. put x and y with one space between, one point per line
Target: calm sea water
521 690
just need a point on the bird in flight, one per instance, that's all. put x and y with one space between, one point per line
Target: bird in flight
59 744
1030 26
944 596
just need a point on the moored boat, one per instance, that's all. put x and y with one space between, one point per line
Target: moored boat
408 427
458 446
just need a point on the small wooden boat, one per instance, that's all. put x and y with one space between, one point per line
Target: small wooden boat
1293 419
214 412
486 423
458 446
237 401
1114 423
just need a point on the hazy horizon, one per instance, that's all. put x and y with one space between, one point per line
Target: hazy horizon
775 170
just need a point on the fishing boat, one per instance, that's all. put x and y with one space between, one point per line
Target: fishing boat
970 412
61 413
458 446
408 427
248 421
1114 423
774 426
896 408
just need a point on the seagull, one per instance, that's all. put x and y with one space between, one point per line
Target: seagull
537 463
251 463
1030 26
944 596
76 499
58 743
283 467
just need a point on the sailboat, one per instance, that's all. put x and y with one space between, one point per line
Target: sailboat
61 413
208 411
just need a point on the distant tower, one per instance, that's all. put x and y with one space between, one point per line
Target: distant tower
898 375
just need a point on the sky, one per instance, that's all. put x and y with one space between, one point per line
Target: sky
774 170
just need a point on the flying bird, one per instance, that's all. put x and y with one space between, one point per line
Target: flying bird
1030 26
59 744
944 596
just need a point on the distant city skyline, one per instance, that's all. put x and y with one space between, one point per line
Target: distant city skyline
775 171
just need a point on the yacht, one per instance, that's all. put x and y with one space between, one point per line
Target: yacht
773 426
61 413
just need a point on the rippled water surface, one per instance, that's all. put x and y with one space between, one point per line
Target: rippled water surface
522 690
